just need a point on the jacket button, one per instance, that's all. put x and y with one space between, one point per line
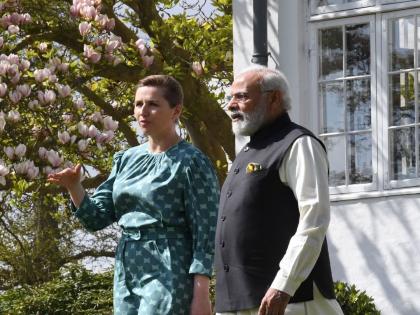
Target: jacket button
246 149
229 193
226 268
222 243
236 170
223 218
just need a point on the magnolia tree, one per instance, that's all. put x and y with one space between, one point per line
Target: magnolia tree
67 77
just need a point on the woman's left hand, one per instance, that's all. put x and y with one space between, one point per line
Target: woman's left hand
201 304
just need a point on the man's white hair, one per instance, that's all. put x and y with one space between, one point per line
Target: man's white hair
272 80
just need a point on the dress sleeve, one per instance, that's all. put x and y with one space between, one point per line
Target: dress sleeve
201 203
97 212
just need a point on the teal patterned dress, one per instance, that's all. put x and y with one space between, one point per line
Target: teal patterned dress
166 205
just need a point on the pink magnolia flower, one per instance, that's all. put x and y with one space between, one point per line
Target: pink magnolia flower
24 64
79 103
197 68
15 79
22 167
1 41
16 18
3 89
96 117
148 61
63 90
74 11
10 152
84 28
110 124
54 158
42 152
63 137
2 123
93 131
32 171
4 67
83 129
12 70
82 145
24 89
15 96
141 46
110 24
88 12
102 20
20 150
113 43
49 96
63 67
43 47
13 29
13 59
5 20
91 54
13 116
4 170
26 18
42 74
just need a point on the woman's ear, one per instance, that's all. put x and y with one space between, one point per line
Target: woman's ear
177 111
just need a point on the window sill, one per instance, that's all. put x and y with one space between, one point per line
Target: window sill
375 194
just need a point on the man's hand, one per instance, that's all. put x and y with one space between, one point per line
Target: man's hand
274 302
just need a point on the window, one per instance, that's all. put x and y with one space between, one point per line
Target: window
367 77
327 6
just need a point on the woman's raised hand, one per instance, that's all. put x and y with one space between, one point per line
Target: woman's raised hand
68 178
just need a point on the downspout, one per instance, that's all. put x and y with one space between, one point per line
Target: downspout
260 55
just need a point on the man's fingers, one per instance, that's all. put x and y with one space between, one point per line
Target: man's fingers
263 308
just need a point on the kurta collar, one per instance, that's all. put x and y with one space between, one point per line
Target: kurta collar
282 122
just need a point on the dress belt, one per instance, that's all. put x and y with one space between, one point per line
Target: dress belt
155 233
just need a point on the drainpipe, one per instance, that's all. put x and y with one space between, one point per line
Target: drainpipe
260 55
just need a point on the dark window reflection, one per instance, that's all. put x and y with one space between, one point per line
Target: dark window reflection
358 105
358 49
331 54
403 153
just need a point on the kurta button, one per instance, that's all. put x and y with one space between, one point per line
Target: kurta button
229 193
236 170
246 149
222 243
223 218
226 268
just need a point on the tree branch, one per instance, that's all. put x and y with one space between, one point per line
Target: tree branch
88 253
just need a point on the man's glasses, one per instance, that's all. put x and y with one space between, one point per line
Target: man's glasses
240 97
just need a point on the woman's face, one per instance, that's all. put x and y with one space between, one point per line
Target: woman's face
153 113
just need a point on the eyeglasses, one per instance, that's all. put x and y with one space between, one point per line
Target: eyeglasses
241 97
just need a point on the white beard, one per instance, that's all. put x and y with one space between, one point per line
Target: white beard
249 123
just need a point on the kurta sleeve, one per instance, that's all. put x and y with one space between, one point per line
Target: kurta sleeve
97 212
201 204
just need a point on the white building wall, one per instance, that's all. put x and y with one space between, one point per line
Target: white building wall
374 241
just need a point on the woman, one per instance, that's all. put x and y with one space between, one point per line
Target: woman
164 195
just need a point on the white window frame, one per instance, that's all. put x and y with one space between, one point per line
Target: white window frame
314 62
314 9
383 73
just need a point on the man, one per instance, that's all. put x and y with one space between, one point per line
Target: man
271 252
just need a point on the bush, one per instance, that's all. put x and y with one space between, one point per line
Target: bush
73 291
353 301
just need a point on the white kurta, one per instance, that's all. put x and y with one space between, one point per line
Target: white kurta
305 170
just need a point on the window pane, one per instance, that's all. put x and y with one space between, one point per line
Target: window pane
358 49
402 153
360 158
401 43
401 100
335 148
332 102
358 105
331 53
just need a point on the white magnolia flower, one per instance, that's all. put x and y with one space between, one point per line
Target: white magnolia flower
64 137
83 129
2 123
13 116
54 158
93 131
10 152
82 145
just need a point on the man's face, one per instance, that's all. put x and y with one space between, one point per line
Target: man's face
247 107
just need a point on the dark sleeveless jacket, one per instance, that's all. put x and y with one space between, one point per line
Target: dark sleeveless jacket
258 215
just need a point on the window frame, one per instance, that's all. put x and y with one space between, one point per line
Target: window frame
383 73
315 10
317 115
